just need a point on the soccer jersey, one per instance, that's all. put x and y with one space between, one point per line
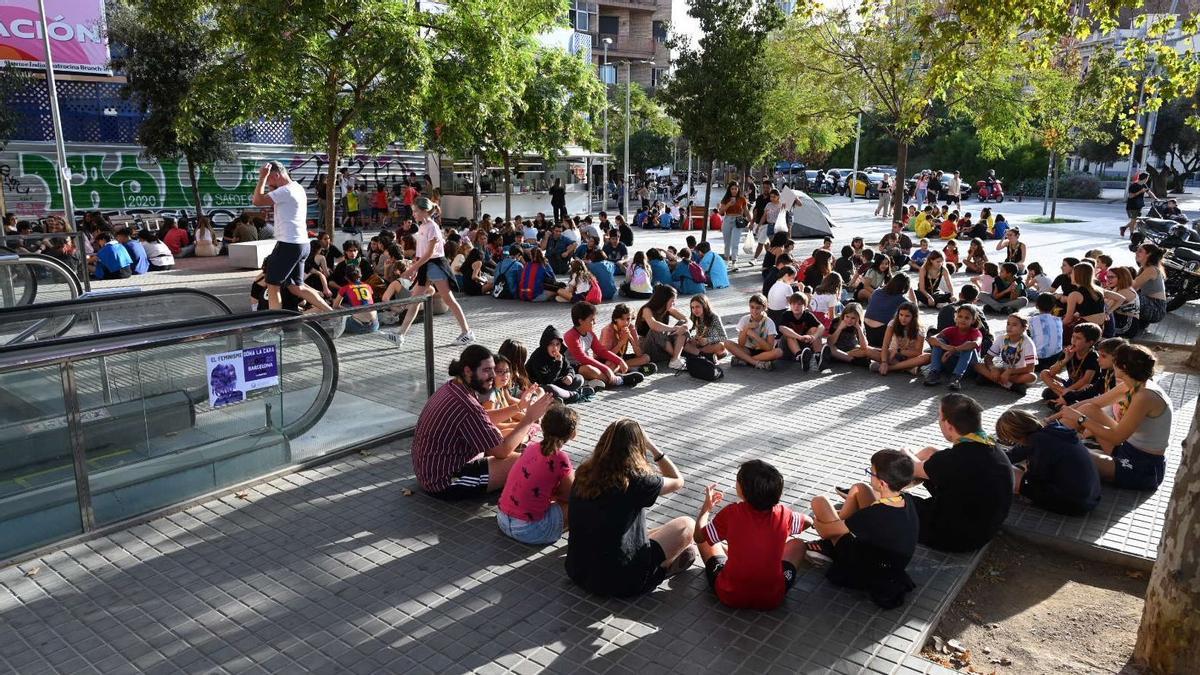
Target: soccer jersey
1013 354
753 576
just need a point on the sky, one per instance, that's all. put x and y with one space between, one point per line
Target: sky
680 21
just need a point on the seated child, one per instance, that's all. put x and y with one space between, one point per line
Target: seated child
1036 281
357 294
504 408
1007 294
1106 349
1011 360
755 344
986 280
600 367
950 253
548 367
919 255
780 292
800 331
582 286
756 564
1046 329
956 346
903 346
533 505
826 299
621 338
847 341
872 538
1081 367
707 336
1051 467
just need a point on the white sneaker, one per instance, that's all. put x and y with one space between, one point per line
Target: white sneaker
873 367
676 364
394 338
466 338
598 385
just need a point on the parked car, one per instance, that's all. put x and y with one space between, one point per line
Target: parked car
867 184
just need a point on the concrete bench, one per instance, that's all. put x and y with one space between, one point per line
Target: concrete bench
250 254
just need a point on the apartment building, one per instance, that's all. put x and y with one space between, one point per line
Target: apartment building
633 31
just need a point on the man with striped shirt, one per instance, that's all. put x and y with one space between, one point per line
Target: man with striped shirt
457 451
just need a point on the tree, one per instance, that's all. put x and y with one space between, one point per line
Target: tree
1176 141
718 92
160 68
648 149
646 114
347 75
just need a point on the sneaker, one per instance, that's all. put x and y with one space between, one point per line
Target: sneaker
676 364
806 359
648 369
915 370
873 367
684 561
736 362
394 338
632 379
824 359
955 383
586 394
818 553
932 378
843 491
596 385
466 338
764 365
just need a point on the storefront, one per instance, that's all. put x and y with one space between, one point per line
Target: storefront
532 177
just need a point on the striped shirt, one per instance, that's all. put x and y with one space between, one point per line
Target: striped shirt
452 430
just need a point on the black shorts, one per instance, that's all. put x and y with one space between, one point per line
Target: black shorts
1133 213
286 266
469 482
1137 469
714 565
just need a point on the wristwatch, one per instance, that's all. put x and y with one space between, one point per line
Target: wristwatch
660 457
1081 420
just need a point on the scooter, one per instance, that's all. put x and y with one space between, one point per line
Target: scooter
986 192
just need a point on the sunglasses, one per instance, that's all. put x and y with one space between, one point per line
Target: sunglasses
869 473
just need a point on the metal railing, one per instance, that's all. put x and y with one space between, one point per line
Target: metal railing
158 436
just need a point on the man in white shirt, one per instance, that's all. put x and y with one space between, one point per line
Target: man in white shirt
954 190
285 265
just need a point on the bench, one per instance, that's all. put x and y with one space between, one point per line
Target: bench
250 254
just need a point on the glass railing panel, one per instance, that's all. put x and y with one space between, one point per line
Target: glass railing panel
38 498
381 385
105 312
189 418
29 279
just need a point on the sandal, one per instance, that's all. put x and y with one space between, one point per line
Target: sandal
684 561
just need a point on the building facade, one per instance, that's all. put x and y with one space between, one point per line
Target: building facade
635 31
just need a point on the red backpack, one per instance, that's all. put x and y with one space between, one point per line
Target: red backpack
697 272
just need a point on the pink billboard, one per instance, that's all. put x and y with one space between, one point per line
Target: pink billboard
76 29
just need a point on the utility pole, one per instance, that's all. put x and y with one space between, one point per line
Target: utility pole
604 187
851 186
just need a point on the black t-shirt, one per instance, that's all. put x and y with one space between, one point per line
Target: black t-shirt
873 555
845 268
1058 467
801 324
769 278
760 205
971 484
558 195
1075 367
1136 202
608 551
1064 284
904 242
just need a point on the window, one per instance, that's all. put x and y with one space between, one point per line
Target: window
583 15
659 29
608 74
610 25
657 75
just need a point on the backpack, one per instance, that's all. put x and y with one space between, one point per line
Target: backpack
697 272
527 287
702 368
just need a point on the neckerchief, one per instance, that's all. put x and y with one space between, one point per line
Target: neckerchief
980 436
1123 406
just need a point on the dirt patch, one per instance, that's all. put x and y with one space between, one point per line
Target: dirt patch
1172 359
1034 611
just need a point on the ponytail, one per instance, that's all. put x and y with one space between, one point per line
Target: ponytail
471 357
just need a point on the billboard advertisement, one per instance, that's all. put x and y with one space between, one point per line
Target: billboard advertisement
76 28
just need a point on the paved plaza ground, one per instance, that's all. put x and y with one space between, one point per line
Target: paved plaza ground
336 569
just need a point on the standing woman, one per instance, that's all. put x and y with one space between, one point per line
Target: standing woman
735 212
432 271
1133 446
609 551
883 208
764 229
1150 285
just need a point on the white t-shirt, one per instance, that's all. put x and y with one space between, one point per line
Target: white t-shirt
1008 355
820 304
590 230
291 206
777 296
1043 283
430 235
531 233
765 329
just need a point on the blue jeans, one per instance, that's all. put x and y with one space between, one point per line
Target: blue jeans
963 363
538 532
732 237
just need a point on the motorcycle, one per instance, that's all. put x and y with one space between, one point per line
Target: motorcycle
1165 232
988 192
1182 265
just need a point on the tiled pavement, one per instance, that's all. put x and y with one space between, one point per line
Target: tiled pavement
335 570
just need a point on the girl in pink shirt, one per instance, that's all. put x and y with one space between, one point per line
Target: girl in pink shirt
533 505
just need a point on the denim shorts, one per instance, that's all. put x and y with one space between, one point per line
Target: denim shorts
538 532
435 273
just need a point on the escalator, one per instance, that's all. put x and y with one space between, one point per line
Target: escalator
151 415
29 278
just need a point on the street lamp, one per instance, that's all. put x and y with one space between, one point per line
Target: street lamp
628 94
604 185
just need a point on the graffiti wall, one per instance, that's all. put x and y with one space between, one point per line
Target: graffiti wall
117 179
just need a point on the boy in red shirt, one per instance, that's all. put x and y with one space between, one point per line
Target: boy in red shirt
756 565
598 365
956 347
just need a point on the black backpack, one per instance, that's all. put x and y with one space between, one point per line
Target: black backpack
702 368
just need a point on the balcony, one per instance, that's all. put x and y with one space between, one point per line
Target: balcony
644 5
625 47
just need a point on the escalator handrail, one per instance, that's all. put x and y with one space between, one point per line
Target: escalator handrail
63 307
33 259
78 347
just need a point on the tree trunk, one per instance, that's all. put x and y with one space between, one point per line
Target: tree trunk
331 184
1194 360
195 181
712 167
1054 198
507 188
901 180
1169 637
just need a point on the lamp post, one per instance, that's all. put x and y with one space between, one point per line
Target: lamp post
604 186
628 94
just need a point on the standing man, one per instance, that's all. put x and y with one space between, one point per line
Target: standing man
558 200
1136 201
286 265
344 185
954 190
